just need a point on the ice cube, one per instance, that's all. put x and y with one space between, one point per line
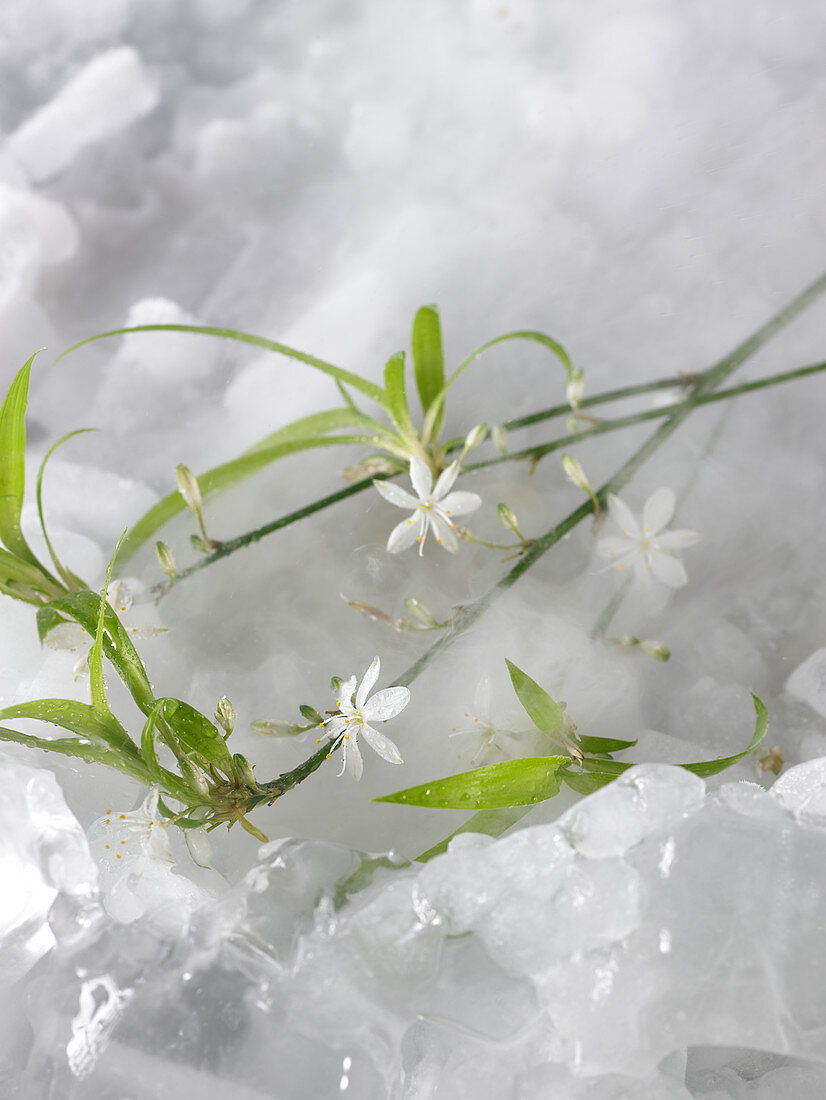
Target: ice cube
808 682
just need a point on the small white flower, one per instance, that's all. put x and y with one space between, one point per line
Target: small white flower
484 742
354 715
136 837
434 508
647 548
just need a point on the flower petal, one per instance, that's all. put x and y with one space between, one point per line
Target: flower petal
622 515
678 540
614 546
443 531
382 745
421 477
446 481
67 636
345 692
335 726
658 510
386 704
352 758
396 495
405 534
370 677
460 503
668 570
120 597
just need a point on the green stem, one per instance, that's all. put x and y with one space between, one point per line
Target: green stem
600 399
231 545
697 399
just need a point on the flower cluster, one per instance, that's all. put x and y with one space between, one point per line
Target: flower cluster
431 509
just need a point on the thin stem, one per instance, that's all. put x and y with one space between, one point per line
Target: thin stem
231 545
600 399
466 616
541 449
609 611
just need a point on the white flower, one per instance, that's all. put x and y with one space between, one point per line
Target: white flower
647 547
433 509
483 740
354 715
138 836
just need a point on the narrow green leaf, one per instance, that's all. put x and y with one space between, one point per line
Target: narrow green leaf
13 464
369 389
586 782
488 822
69 579
604 744
196 733
97 683
396 396
71 746
521 782
47 619
428 355
712 767
545 713
79 718
17 574
319 424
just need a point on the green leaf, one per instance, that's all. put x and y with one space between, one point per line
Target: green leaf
96 680
712 767
586 782
369 389
24 581
67 577
545 713
84 607
13 464
488 822
428 356
319 424
47 619
70 746
604 744
396 396
196 733
521 782
81 719
170 782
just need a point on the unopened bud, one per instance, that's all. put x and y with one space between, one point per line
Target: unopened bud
572 425
198 544
166 559
771 760
474 437
575 472
573 391
188 488
370 467
507 517
311 714
419 611
194 775
499 435
656 650
273 728
335 683
243 770
225 715
370 612
628 640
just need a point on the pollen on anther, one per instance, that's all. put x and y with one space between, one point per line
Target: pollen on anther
117 856
419 539
625 530
107 846
108 822
123 817
648 565
123 842
108 812
318 740
347 737
648 530
658 547
410 523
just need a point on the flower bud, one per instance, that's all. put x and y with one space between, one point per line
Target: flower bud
198 544
575 472
628 640
371 612
572 425
166 559
507 517
771 760
656 650
419 611
335 684
225 715
499 435
573 391
243 771
370 467
474 437
194 775
188 488
311 714
273 728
